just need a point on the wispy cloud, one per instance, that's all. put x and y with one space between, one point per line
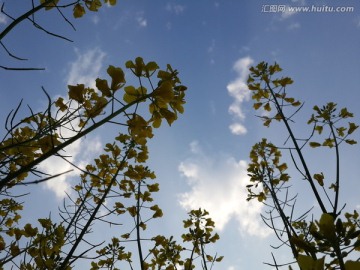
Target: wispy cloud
95 19
293 26
239 91
85 69
218 184
357 22
288 12
77 153
141 20
177 9
3 19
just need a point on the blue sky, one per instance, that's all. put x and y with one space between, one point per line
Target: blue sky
201 160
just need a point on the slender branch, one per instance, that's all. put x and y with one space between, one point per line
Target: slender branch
21 69
337 183
93 215
138 237
22 17
203 253
44 179
298 150
10 54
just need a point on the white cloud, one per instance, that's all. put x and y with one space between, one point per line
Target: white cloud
168 25
294 26
287 13
3 19
95 19
211 48
218 184
238 129
77 153
177 9
142 22
357 22
239 91
300 2
86 67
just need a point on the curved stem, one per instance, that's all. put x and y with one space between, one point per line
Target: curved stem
337 183
22 17
138 236
298 150
93 215
203 253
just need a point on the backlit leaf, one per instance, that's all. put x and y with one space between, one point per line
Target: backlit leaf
267 107
319 129
111 2
257 105
78 11
314 144
351 142
51 5
319 177
117 77
308 263
103 86
77 92
352 265
327 226
352 128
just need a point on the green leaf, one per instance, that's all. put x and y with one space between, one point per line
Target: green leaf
285 81
77 92
352 128
351 142
267 107
168 115
132 211
308 263
257 105
132 94
345 114
319 177
340 131
103 86
78 11
254 86
51 5
118 77
314 144
274 68
111 2
328 142
352 265
282 167
158 212
296 103
319 129
327 226
150 68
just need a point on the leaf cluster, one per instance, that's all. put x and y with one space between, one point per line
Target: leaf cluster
320 244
